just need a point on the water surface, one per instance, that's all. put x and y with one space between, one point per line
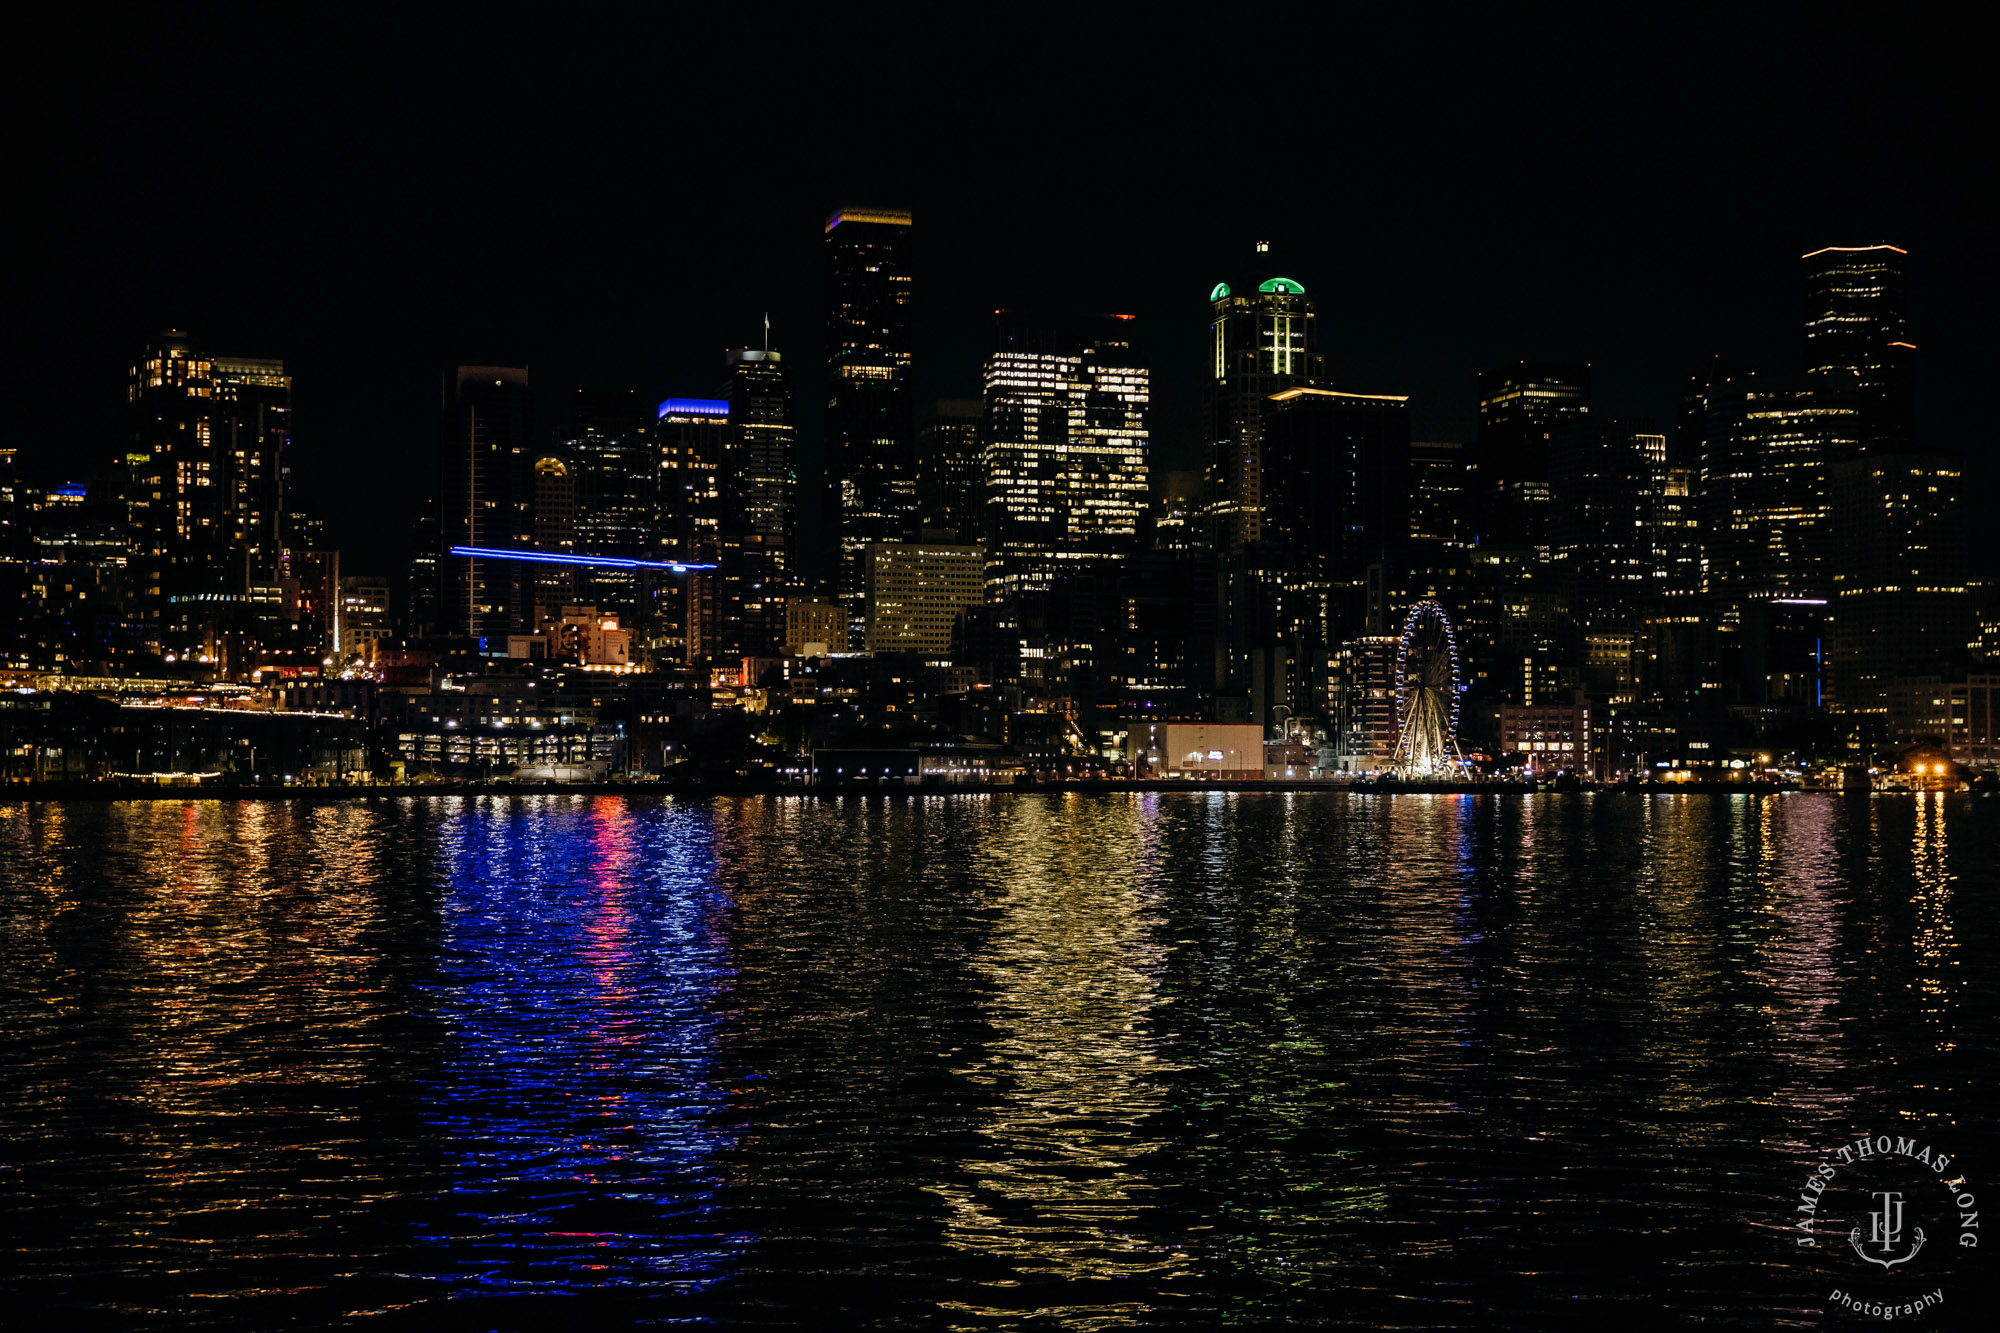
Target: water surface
1050 1061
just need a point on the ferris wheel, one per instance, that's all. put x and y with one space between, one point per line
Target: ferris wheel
1426 692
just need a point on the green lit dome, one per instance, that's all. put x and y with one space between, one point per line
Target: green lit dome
1221 290
1282 287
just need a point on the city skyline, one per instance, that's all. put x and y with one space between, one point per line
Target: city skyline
1443 266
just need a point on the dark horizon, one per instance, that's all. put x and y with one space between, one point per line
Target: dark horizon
359 206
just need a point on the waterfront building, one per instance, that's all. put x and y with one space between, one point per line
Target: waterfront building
1548 737
871 446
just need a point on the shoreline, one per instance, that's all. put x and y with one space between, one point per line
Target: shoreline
109 791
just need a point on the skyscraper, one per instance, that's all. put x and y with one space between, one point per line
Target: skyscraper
1603 482
253 409
609 446
1900 607
684 617
1437 492
871 444
1261 343
1520 408
758 486
1065 447
1857 336
951 474
1344 500
486 454
206 460
1763 488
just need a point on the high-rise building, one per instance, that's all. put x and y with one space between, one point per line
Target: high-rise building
1339 498
684 617
1900 607
871 445
951 474
1520 409
609 447
1857 338
915 592
1603 482
253 411
1437 492
206 463
553 508
758 485
1064 447
1763 504
1261 343
486 455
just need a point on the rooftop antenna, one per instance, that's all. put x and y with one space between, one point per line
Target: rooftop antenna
767 333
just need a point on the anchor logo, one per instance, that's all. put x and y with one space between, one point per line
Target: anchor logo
1885 1228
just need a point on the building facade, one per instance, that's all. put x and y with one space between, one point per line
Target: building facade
1064 449
871 426
1262 342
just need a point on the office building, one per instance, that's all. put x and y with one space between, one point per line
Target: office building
205 463
486 454
951 473
1262 342
1900 607
1603 482
1857 339
684 616
1344 460
363 621
1764 517
253 427
758 484
814 628
871 445
1064 448
1520 408
1438 478
915 592
609 448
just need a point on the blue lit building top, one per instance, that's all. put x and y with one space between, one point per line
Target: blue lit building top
695 407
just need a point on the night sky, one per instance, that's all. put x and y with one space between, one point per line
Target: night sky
615 202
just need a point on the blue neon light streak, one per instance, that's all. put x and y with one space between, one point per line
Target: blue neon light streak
695 407
551 558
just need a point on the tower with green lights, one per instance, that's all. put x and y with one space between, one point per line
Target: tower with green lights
1261 343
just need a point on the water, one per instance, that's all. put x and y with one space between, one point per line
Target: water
1054 1061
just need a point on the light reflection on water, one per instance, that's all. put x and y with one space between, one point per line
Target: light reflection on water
1082 1062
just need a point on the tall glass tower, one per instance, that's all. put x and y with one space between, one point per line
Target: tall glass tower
871 428
1262 343
1857 335
1065 447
